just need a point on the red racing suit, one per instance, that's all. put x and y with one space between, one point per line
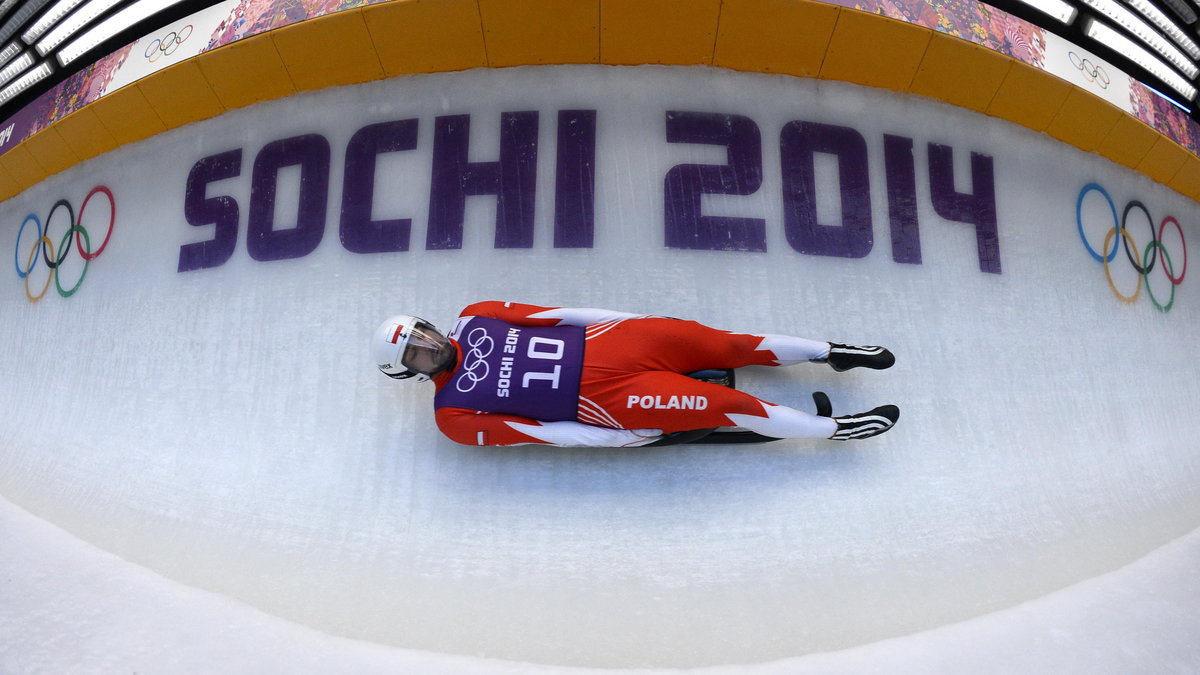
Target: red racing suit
631 381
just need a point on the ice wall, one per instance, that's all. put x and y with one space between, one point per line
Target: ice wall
204 405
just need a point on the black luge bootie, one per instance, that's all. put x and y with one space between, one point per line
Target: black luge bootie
866 425
844 357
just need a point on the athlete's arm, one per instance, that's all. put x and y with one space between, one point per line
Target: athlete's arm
470 427
534 315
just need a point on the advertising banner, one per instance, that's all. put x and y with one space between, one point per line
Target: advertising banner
233 20
1089 72
170 44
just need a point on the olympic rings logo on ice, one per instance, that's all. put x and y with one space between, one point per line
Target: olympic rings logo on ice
167 44
1091 72
76 236
481 345
1142 261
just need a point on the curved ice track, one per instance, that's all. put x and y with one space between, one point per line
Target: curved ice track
222 431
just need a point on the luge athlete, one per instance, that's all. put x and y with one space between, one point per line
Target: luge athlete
511 374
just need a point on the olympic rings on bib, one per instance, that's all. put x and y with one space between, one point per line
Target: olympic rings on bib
474 361
167 44
76 237
1142 260
1091 72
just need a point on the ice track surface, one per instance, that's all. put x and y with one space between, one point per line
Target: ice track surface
202 470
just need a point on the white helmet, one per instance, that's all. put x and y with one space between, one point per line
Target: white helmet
407 346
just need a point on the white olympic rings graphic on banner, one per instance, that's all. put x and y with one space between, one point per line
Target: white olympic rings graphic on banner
167 44
1091 72
481 345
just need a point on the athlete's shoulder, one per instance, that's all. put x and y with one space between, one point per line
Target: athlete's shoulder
537 315
514 312
497 308
484 308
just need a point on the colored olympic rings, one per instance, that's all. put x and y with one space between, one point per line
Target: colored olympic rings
1091 72
53 264
167 44
1135 204
1144 260
43 247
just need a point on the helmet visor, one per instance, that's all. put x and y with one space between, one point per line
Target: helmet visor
428 351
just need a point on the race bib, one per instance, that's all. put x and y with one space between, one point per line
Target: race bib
516 370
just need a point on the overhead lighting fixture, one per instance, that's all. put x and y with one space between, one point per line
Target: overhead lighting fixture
16 67
1181 9
51 17
6 5
111 27
1166 25
18 19
1109 36
1145 33
74 23
1055 9
10 51
27 80
9 28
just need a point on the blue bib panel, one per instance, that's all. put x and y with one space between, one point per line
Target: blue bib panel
516 370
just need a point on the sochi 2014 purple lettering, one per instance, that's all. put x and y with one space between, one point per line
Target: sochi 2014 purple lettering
799 142
686 184
513 180
359 232
263 240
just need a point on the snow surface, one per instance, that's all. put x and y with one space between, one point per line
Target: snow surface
202 471
84 610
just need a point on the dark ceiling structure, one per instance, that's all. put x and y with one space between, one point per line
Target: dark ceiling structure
42 42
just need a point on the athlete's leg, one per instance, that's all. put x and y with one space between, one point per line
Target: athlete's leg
684 346
674 402
632 379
